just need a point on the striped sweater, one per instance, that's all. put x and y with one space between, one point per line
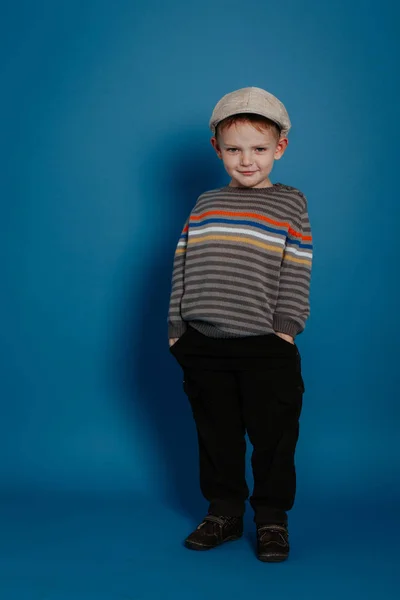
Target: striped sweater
242 265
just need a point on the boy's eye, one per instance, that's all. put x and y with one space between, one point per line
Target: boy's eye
233 150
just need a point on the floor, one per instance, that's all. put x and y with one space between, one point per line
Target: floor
74 547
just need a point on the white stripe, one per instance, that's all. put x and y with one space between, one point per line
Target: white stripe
207 229
298 252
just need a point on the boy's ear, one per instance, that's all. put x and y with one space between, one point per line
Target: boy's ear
215 145
281 147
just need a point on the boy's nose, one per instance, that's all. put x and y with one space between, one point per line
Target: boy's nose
246 159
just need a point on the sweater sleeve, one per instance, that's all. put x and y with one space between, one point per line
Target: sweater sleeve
293 307
176 325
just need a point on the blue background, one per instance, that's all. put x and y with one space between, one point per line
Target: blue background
105 148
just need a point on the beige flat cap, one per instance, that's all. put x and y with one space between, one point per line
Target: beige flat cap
251 100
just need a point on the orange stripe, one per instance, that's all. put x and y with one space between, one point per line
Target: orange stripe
227 213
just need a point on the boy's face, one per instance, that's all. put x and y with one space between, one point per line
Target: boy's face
248 154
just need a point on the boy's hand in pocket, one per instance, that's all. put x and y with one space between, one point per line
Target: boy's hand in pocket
286 337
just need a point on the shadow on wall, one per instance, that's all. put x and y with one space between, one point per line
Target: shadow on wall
150 373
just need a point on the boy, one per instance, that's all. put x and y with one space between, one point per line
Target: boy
240 295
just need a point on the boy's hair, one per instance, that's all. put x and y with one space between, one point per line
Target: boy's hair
259 122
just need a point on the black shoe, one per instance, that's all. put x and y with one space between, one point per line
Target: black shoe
214 531
272 542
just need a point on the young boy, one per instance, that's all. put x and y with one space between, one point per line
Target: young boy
240 295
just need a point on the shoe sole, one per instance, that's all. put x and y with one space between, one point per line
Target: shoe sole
196 546
274 558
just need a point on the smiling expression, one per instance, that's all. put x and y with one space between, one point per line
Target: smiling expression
248 153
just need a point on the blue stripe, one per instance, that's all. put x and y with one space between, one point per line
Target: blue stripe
253 224
299 244
234 222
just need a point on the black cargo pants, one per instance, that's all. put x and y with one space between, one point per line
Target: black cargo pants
235 385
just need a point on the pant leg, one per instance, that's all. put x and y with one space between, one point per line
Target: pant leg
272 402
215 400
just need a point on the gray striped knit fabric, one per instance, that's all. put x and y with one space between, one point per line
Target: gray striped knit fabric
243 263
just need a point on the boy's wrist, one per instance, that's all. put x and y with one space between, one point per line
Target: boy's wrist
175 330
285 325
